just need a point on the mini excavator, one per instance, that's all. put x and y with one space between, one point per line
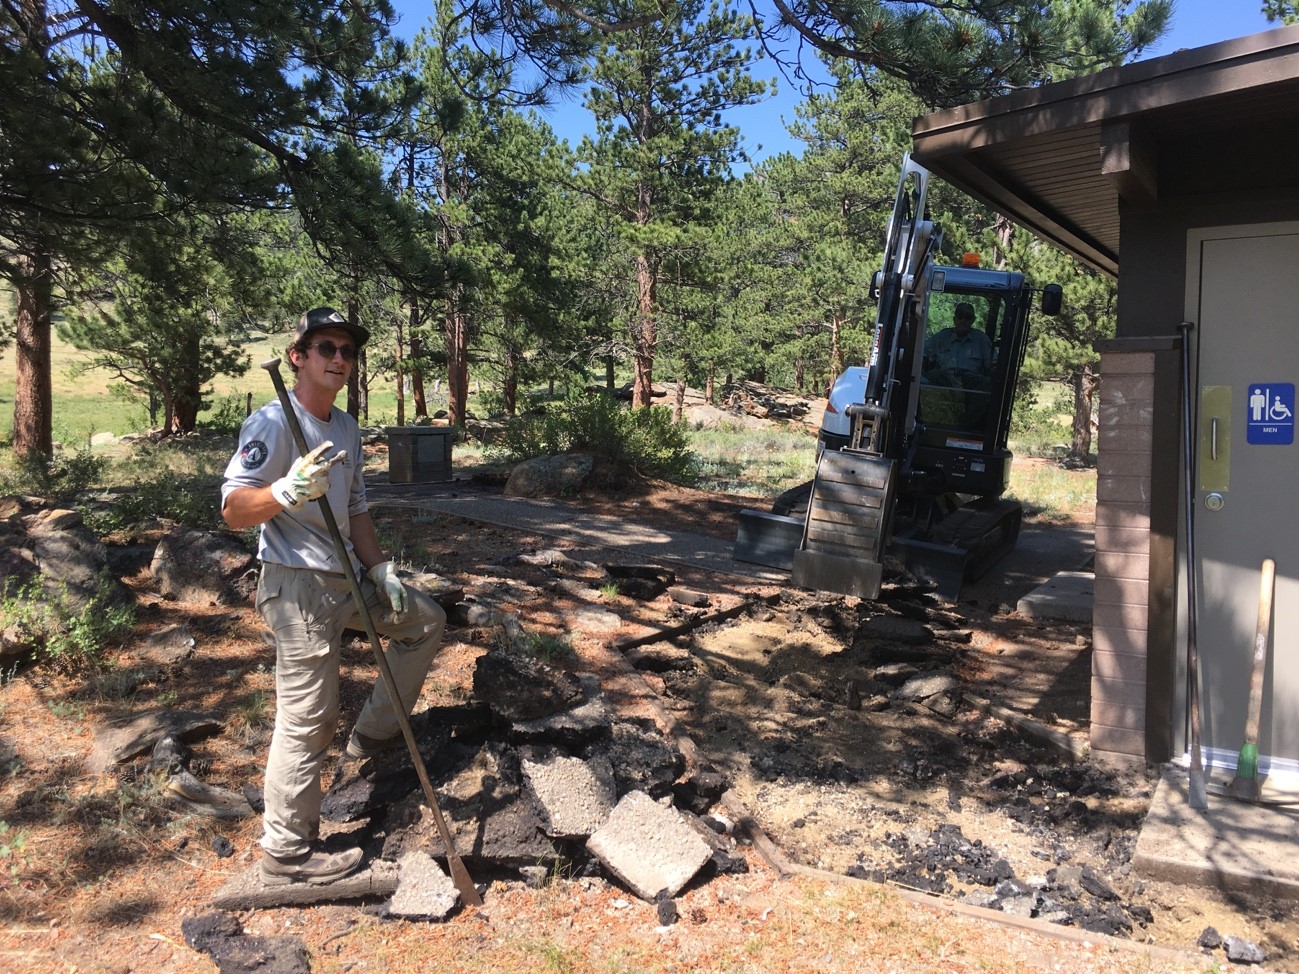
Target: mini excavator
919 462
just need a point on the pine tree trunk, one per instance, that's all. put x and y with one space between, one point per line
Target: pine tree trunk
457 340
710 387
608 373
33 397
1005 230
354 380
416 359
679 404
644 335
510 382
837 360
1084 392
185 390
400 369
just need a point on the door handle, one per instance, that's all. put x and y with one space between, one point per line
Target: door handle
1213 439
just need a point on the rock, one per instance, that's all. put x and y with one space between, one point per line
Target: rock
1093 884
522 688
893 629
701 791
642 758
590 619
534 877
894 674
1020 906
442 591
1240 951
489 813
927 685
114 745
550 476
690 597
55 543
1210 939
640 582
576 727
221 937
169 645
203 567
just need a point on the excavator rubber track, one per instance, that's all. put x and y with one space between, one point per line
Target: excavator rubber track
963 545
847 526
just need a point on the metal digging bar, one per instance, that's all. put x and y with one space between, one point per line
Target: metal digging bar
459 874
1198 787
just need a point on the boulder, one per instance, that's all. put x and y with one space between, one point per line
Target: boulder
550 476
203 567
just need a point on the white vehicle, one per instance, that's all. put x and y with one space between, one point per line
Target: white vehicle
836 427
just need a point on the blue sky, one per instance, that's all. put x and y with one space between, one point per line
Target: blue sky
1195 23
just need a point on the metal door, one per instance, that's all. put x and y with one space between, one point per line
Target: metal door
1243 295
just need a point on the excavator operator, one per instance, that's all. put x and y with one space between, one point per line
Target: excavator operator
960 356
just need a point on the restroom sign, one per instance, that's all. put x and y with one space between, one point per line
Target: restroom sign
1270 417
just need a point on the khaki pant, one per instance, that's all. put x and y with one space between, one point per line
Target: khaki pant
308 611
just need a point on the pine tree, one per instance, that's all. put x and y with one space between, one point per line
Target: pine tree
117 115
661 154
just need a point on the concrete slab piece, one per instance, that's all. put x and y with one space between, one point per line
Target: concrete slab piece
1067 596
1230 845
424 891
650 847
575 796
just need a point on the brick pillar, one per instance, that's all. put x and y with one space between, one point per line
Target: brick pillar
1130 692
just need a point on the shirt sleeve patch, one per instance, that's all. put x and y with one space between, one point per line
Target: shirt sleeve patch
253 454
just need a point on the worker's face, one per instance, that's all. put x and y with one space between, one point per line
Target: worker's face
962 322
328 371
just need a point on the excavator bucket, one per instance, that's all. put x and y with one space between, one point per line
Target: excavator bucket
768 539
847 525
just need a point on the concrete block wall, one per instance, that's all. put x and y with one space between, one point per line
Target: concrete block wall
1121 611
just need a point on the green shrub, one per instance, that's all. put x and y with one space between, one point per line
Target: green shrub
226 415
66 637
194 501
62 477
643 441
1039 425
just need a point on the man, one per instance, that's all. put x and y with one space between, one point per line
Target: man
959 355
305 598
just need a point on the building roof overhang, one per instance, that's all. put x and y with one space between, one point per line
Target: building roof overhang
1058 159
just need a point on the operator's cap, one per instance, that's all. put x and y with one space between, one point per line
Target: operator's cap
964 310
318 319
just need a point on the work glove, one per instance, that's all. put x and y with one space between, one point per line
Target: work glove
384 576
307 479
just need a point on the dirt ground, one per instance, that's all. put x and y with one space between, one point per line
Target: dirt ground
785 699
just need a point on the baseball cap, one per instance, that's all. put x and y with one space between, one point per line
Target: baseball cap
318 319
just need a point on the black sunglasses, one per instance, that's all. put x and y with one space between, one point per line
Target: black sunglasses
329 350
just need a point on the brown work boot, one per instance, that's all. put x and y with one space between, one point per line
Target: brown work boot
314 866
361 747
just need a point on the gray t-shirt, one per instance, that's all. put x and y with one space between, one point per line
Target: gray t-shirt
300 539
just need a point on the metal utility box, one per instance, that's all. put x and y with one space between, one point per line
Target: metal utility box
419 454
